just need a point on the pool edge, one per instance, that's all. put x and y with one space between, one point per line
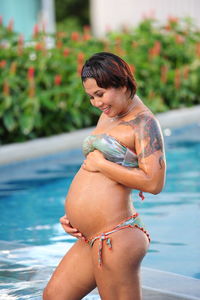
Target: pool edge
49 145
170 284
162 285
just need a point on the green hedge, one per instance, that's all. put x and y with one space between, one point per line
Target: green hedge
41 91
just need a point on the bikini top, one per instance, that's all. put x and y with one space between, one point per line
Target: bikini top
112 150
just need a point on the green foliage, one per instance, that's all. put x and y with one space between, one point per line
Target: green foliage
70 24
76 10
41 91
165 60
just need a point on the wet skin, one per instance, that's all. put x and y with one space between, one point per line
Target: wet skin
99 199
96 202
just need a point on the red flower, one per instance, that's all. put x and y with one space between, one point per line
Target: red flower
132 67
21 40
177 78
31 72
198 49
2 63
135 44
155 51
80 57
59 44
31 89
6 88
57 79
86 37
39 46
20 44
13 67
118 47
10 25
66 52
61 34
179 39
167 27
75 36
86 33
164 70
173 20
186 72
80 61
35 30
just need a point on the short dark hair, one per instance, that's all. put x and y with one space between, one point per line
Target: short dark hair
109 70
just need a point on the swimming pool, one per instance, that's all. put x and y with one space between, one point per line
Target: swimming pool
32 195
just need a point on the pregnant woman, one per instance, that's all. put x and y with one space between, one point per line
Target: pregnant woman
124 152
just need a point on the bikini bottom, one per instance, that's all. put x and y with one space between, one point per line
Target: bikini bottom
130 222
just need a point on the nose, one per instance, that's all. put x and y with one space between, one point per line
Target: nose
97 102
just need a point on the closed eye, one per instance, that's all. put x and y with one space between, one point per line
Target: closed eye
98 95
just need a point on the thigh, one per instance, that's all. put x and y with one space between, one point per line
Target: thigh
73 278
119 276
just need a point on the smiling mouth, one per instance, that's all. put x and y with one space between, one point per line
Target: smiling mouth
106 109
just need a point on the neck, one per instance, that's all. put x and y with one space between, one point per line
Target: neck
133 103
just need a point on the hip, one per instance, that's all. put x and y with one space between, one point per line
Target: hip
133 221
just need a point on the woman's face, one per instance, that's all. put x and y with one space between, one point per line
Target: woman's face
111 101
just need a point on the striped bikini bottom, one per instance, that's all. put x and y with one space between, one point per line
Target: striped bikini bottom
131 222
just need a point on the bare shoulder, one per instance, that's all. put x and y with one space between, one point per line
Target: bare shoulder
143 119
147 130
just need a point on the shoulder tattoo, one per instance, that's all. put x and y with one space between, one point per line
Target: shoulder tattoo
148 131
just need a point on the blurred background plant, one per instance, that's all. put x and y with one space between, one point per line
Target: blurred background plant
69 17
42 92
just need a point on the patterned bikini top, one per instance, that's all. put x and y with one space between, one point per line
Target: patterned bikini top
112 150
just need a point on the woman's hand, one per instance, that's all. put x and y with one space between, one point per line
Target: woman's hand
93 161
69 229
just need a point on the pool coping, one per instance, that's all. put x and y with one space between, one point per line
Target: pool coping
49 145
169 285
161 285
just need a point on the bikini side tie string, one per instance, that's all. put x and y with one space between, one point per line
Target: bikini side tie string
129 222
104 237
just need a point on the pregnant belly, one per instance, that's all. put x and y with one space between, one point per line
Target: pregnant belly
95 203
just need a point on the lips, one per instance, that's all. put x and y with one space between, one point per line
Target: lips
106 109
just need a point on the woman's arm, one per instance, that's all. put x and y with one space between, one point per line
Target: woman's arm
150 175
134 178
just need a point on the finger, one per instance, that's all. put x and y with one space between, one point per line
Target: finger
78 236
74 230
70 229
64 220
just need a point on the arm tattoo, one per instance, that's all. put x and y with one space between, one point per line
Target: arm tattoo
147 129
161 160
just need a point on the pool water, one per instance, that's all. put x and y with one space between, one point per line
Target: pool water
32 195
